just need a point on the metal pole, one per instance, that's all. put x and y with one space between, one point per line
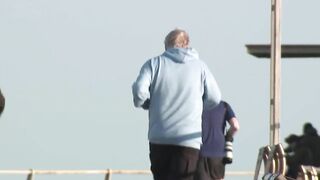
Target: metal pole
275 71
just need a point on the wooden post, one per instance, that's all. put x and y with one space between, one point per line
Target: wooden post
258 164
275 72
30 175
108 175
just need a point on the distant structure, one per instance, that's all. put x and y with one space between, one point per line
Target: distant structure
275 51
288 50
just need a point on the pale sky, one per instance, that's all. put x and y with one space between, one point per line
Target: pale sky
66 69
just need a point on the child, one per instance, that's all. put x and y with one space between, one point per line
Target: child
216 149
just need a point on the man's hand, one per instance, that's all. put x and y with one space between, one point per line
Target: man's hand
146 104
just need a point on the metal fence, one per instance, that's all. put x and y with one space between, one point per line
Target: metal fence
31 173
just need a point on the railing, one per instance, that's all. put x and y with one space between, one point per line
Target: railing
309 173
31 173
275 165
274 162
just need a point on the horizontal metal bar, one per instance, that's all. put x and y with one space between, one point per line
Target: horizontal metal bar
287 50
112 171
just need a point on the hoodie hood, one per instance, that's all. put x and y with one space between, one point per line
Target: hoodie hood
181 55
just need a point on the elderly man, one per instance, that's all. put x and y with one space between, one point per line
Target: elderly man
2 102
174 87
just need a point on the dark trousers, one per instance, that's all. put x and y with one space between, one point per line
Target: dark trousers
210 168
170 162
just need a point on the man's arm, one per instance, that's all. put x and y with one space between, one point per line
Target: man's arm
232 120
234 127
140 88
212 94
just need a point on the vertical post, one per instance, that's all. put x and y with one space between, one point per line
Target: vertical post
108 175
275 71
258 164
30 175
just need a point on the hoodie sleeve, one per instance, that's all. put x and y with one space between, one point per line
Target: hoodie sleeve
140 88
212 94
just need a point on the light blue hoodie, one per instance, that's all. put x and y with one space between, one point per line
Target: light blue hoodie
178 84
